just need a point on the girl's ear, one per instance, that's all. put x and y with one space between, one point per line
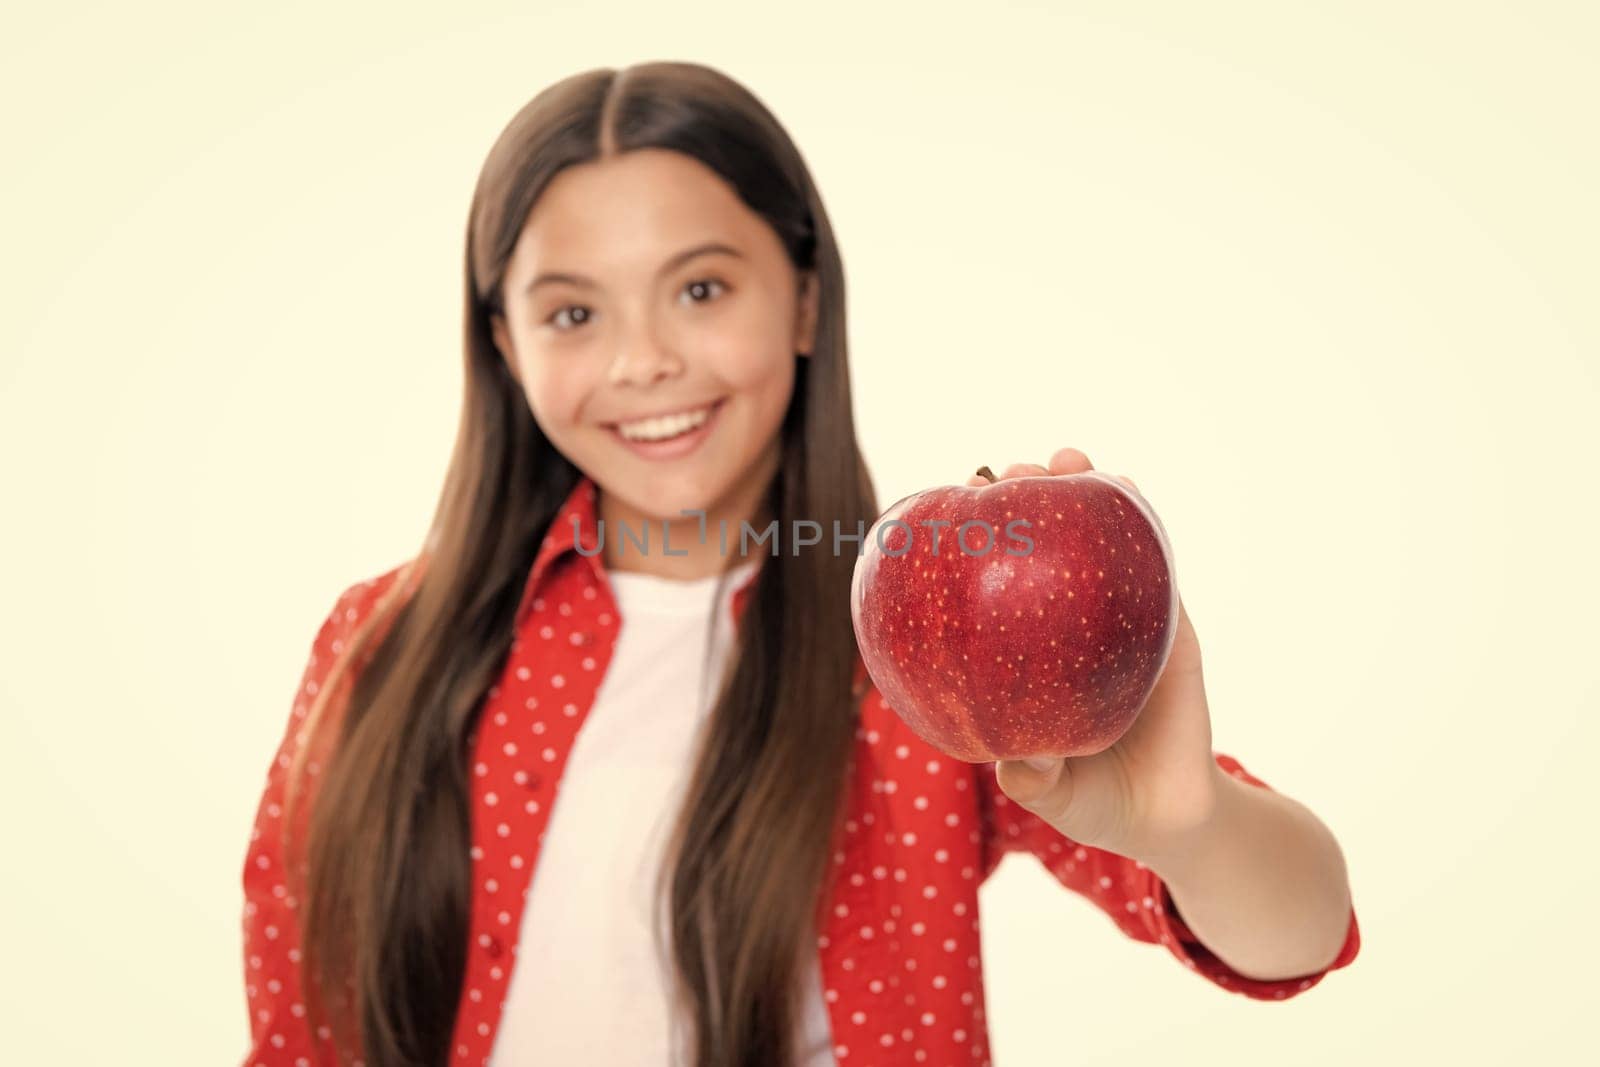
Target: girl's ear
502 341
806 314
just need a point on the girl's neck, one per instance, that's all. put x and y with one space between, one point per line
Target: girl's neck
690 557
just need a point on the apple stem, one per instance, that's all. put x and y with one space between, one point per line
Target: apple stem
985 472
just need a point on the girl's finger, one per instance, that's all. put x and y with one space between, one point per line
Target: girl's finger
1069 461
1027 783
1023 470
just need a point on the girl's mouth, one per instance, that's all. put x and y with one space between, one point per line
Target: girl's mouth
669 437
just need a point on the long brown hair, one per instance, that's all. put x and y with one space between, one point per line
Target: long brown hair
386 853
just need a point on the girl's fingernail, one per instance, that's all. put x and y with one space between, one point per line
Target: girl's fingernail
1040 763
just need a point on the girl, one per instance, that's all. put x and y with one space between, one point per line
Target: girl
742 855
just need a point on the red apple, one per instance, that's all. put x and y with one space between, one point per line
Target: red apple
1048 643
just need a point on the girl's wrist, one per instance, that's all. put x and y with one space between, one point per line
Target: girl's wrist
1177 848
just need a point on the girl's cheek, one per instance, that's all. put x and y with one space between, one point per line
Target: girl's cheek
549 405
744 359
557 390
764 369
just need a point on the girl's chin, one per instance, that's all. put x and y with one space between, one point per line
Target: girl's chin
664 497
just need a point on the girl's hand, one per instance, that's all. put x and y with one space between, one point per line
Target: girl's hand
1158 783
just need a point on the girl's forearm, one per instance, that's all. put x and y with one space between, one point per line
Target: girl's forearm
1263 883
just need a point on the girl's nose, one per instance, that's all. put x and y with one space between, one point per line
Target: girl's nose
643 361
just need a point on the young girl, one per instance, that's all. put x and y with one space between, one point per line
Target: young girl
583 782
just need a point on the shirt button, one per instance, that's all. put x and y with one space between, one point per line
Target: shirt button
492 947
533 782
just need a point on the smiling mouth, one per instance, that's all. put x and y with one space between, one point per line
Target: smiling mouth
665 427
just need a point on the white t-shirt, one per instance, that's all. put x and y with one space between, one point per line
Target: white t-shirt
588 985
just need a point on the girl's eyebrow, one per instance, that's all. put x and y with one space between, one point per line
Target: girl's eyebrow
672 263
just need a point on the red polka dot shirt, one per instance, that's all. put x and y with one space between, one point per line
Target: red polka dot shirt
898 933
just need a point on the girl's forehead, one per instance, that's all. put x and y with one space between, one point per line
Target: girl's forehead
635 210
642 260
648 187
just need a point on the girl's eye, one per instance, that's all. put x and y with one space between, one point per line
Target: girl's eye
697 288
703 285
563 310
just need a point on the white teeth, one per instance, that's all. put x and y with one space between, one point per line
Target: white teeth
664 427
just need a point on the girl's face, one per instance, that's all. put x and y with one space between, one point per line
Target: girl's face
641 287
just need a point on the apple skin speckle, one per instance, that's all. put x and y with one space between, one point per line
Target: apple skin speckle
1049 649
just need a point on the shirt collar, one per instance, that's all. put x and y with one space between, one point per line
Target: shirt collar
577 524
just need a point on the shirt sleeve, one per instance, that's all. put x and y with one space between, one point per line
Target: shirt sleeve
1135 898
280 1032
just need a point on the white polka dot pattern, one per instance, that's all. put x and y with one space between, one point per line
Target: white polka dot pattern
898 924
